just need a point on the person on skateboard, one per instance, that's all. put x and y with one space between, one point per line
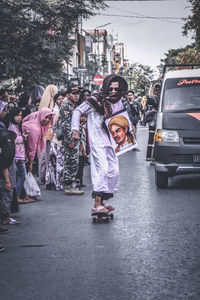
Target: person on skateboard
104 162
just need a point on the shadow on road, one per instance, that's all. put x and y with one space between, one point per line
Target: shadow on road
185 182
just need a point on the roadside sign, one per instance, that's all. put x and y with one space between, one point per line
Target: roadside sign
74 81
80 70
98 79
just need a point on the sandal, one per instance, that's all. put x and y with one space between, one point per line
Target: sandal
100 209
10 221
109 207
25 200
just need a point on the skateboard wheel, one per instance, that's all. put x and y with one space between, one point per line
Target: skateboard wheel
94 220
107 219
111 216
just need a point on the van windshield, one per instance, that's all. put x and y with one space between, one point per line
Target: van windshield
181 94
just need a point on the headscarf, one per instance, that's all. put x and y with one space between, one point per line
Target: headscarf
36 94
48 97
3 104
33 123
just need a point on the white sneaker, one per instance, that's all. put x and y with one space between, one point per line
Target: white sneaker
73 191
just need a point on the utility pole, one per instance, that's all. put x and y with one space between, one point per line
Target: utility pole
131 73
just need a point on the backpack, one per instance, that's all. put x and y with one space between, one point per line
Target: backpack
7 147
59 130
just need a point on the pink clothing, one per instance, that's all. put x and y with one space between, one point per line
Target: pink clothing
19 148
37 132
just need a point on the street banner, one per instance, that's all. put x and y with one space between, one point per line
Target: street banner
121 132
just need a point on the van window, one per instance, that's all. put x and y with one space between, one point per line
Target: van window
181 94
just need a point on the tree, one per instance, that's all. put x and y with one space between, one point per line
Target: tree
187 55
191 53
193 22
37 37
140 78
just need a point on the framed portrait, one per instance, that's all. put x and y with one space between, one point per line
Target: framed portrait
121 132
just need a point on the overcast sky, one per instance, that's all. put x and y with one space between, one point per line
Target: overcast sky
146 40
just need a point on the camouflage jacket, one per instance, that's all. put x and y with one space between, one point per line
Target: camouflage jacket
66 112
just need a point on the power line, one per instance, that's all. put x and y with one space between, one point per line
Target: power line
134 13
138 14
166 19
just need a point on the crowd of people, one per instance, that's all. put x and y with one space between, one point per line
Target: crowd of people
55 132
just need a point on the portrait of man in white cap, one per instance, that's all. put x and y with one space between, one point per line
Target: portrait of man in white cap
119 129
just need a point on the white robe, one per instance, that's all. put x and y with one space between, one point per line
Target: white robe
104 162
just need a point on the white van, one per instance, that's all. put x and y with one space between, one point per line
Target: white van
177 138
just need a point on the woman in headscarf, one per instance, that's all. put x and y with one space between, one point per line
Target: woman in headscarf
36 94
47 100
37 125
54 170
3 109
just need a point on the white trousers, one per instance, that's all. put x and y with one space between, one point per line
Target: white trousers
104 169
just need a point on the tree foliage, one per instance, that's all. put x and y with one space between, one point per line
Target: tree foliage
37 36
191 53
187 55
140 78
193 22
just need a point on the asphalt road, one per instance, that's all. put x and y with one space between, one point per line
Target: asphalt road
149 251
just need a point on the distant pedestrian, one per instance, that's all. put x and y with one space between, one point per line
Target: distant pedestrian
143 110
37 124
134 108
36 105
3 111
36 94
15 116
47 101
25 104
7 184
84 95
150 118
82 151
54 172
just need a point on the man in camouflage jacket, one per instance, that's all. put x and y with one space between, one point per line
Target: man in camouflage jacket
69 147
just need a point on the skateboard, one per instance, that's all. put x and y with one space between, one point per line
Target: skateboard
102 217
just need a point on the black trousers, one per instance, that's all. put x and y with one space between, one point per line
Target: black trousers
150 146
79 174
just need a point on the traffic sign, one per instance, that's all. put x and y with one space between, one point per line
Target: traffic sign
98 79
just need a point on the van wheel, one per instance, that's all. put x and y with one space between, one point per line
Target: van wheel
161 179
